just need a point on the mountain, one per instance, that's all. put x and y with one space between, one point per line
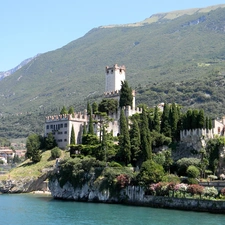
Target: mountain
11 71
166 56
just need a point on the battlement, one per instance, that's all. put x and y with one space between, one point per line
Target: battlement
115 67
196 133
112 94
65 117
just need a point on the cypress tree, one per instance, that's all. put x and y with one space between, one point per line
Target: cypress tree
156 120
210 124
90 125
104 142
165 121
63 111
194 121
71 110
94 107
207 123
126 97
145 137
189 119
179 123
124 139
135 141
84 129
150 122
88 109
72 137
173 120
200 119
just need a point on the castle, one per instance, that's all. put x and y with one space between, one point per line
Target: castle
61 125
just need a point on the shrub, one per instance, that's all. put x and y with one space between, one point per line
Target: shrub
195 189
192 181
210 192
150 172
222 176
123 180
193 172
55 153
171 178
184 163
181 187
222 192
212 177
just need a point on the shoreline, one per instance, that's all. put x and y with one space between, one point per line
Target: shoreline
170 203
41 192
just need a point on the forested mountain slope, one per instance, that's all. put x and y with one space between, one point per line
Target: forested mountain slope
165 55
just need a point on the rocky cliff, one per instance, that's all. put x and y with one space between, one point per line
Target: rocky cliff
133 195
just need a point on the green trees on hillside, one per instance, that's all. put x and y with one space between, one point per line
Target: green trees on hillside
33 145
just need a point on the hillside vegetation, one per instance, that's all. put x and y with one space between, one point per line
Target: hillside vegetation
177 56
27 169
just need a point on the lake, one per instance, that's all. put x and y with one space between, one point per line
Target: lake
36 209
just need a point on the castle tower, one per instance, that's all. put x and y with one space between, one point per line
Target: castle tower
114 75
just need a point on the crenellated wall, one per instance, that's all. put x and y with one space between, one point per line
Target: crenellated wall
76 116
184 134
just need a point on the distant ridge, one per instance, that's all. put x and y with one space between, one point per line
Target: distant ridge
13 70
159 17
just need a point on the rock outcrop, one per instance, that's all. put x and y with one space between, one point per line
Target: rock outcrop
84 193
24 185
133 195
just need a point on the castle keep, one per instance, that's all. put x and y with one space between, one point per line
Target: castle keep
61 125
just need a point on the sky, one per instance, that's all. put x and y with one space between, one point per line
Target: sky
29 27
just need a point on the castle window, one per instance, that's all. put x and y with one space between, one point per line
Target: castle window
107 71
111 71
65 140
65 132
65 124
61 125
47 127
51 126
218 130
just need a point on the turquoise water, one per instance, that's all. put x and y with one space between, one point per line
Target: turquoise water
30 209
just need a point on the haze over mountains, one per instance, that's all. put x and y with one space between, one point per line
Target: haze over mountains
165 56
